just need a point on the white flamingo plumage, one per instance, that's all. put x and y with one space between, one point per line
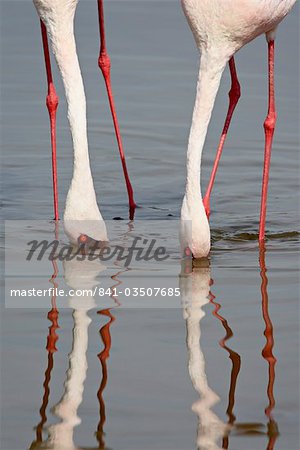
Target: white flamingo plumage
82 217
220 29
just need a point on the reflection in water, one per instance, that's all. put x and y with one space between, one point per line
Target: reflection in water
195 288
267 351
78 275
103 356
106 340
236 366
51 348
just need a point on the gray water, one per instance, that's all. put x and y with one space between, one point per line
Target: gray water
149 394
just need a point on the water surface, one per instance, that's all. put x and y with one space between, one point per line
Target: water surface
142 391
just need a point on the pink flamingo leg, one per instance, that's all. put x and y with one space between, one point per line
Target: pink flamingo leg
234 95
104 65
52 104
269 126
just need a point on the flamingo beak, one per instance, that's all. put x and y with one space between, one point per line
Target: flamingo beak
86 243
83 243
187 253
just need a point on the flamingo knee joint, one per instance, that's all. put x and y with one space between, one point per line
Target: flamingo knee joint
52 100
270 122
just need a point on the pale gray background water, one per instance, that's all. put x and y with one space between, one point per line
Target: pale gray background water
154 68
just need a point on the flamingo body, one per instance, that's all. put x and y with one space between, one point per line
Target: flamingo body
220 29
228 26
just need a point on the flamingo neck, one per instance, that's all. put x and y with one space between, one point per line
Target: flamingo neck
211 69
64 48
76 112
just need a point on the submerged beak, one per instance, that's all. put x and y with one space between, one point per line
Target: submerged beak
83 243
86 243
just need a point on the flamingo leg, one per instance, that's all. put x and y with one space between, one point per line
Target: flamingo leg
104 64
52 104
234 95
269 126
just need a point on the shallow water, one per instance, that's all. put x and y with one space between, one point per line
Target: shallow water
155 390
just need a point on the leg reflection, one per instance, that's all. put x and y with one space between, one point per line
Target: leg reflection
236 367
267 351
103 356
